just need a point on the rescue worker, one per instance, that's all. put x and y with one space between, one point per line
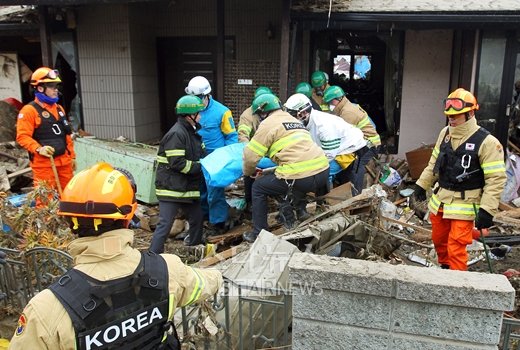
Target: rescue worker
43 130
247 126
115 296
306 89
320 83
248 122
302 167
179 174
354 114
338 139
217 130
468 164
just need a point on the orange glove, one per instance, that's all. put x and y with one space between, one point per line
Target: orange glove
46 151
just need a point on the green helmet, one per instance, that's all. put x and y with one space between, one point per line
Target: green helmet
266 103
304 88
189 104
318 79
333 92
262 90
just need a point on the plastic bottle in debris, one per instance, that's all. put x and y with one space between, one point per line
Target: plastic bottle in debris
387 209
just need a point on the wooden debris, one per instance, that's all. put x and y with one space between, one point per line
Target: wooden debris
421 234
212 260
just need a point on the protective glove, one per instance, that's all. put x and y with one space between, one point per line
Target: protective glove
483 219
419 193
46 151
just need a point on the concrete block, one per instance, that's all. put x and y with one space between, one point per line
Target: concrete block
446 322
358 310
413 343
319 335
332 273
457 288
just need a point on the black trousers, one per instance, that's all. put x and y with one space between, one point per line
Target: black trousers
167 212
269 185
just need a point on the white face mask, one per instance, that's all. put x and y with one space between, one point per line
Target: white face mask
331 107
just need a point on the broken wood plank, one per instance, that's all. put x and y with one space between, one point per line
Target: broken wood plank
339 194
19 172
426 233
337 207
338 237
505 206
7 155
513 146
401 237
212 260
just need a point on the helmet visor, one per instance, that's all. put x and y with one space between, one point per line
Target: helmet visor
456 104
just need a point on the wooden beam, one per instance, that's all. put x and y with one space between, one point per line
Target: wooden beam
212 260
45 37
284 49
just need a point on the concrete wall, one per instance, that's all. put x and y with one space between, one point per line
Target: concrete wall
103 37
426 79
118 58
356 304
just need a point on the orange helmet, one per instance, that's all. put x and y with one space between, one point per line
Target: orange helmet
460 101
99 192
45 75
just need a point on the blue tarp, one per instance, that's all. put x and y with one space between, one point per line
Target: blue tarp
224 165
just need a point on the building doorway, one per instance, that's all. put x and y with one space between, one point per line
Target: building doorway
179 60
368 66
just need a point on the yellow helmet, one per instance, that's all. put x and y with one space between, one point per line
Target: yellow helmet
45 75
460 101
100 192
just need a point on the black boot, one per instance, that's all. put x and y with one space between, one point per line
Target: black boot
249 236
286 216
302 214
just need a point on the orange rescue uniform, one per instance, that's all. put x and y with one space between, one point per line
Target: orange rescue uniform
28 121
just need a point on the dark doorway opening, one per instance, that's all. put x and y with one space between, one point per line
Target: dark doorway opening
368 66
179 60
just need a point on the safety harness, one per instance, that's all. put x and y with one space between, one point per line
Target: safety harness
127 313
52 132
460 170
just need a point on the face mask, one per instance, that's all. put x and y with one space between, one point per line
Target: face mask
331 107
319 92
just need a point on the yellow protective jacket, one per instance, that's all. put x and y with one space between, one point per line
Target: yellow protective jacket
288 143
247 125
491 158
356 115
45 324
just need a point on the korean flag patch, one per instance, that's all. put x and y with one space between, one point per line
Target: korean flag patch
470 146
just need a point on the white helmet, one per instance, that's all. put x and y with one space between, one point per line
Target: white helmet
296 104
198 86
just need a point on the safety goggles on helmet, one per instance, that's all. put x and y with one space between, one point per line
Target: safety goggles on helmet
456 104
53 74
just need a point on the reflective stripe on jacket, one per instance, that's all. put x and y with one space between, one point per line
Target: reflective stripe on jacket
335 136
178 168
459 205
247 125
356 115
288 143
106 257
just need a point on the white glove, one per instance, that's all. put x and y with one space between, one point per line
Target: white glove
46 151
